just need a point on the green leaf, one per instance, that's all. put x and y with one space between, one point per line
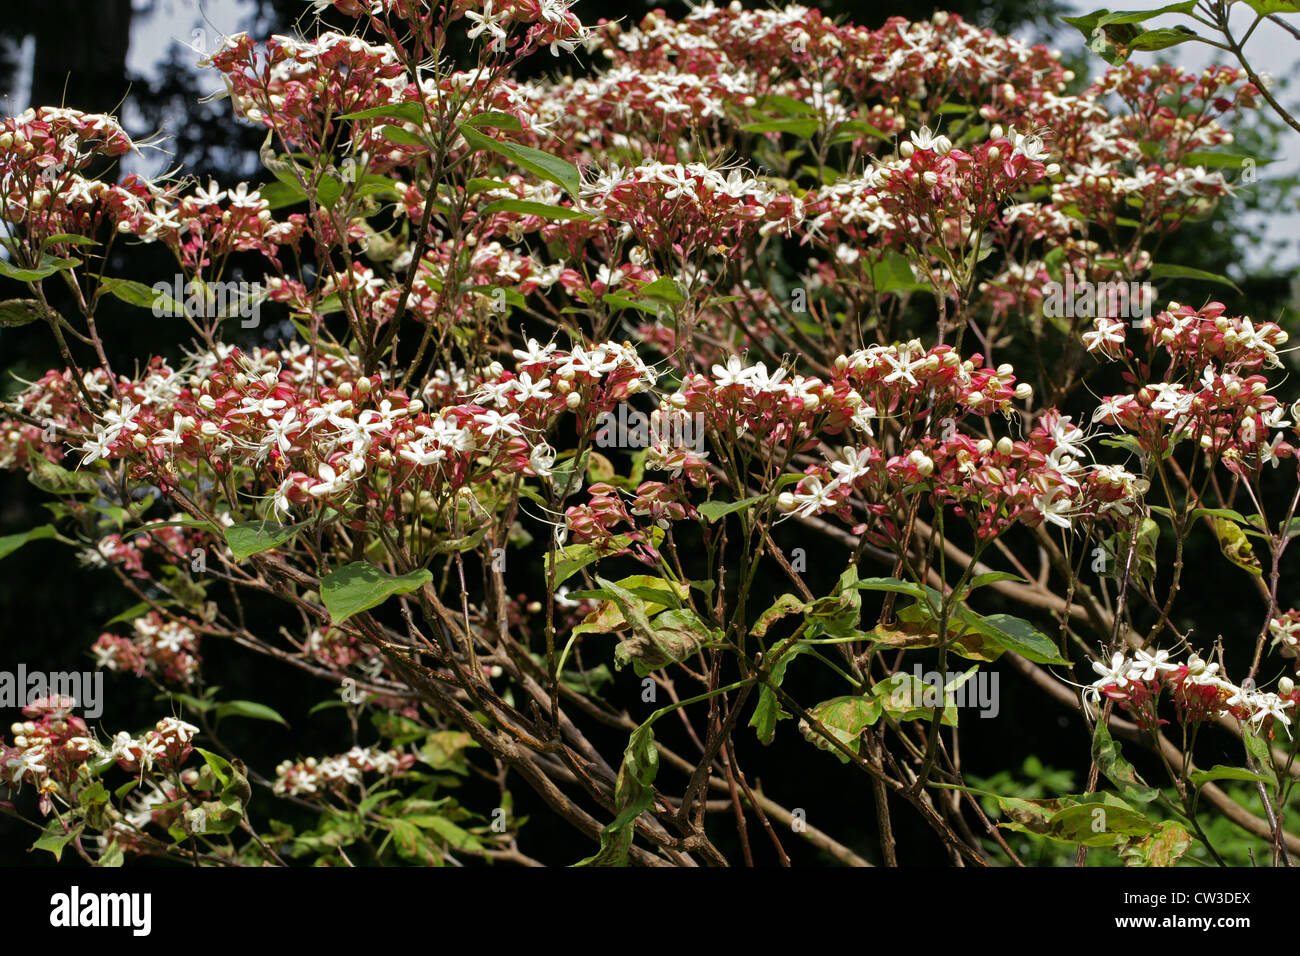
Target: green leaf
1111 762
1268 7
893 274
130 614
247 538
786 105
845 718
402 137
768 710
480 183
279 194
1082 824
1163 848
17 312
633 795
672 636
1162 38
68 239
540 164
991 577
1164 270
527 208
12 542
93 796
711 511
1019 636
361 586
460 838
57 480
494 119
785 604
904 696
137 293
219 765
406 112
663 289
892 584
1113 36
49 265
249 709
659 594
1221 160
803 128
1258 748
648 306
328 191
839 613
1219 772
412 843
112 855
1227 513
1236 546
54 838
572 558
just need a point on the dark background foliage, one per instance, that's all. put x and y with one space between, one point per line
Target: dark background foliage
52 609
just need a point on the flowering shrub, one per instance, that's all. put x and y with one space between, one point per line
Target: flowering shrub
825 247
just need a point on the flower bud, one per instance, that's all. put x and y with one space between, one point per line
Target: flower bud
1286 687
1005 446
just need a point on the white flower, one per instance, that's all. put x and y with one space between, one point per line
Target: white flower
527 388
852 465
487 22
1149 666
330 481
924 139
494 422
1117 673
817 498
1054 507
542 459
733 373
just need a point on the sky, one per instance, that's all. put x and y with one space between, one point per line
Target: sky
1270 51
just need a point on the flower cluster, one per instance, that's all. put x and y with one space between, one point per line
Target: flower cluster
315 778
1226 411
1198 691
690 205
158 648
51 746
